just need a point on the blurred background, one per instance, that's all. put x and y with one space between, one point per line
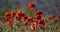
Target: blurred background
48 6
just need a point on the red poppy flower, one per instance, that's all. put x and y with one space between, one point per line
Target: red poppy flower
38 17
32 27
7 18
10 23
41 21
20 13
13 13
30 18
49 18
7 14
26 22
31 5
39 25
0 19
18 16
58 17
25 17
42 27
16 19
39 13
55 20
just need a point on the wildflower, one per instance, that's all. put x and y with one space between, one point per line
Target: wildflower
10 24
58 17
30 18
55 20
18 16
39 25
41 21
15 18
13 13
31 5
7 18
20 13
38 17
39 13
25 17
0 19
49 18
26 22
32 27
42 27
7 15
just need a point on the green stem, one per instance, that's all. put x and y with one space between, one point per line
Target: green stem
50 28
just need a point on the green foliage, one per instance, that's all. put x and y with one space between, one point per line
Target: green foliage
28 12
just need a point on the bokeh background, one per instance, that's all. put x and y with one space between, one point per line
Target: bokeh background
48 6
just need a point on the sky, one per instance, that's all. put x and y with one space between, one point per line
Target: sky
51 6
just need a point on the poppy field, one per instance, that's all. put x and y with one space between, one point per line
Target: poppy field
28 20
